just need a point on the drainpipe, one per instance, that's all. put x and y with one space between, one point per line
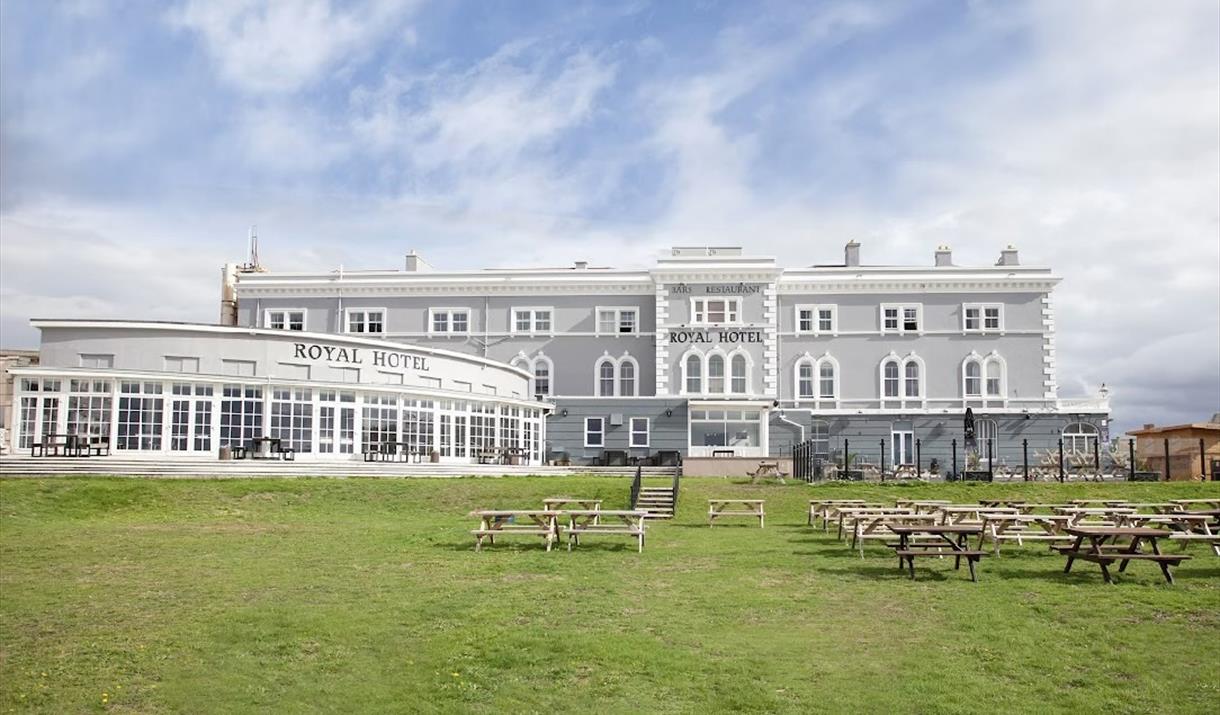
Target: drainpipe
797 425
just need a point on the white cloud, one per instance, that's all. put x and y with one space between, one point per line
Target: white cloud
282 45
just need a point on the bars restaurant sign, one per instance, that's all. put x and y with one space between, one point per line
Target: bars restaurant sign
355 356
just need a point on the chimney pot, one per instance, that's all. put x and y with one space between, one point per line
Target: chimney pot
851 254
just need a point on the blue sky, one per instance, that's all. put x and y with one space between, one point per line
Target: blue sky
141 139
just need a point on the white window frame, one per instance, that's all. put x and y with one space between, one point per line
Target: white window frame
984 362
616 364
815 323
533 311
304 318
982 309
597 376
815 364
632 432
86 358
683 365
449 313
732 308
618 311
902 400
347 320
600 432
901 308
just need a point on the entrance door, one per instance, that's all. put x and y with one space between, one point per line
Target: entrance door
903 445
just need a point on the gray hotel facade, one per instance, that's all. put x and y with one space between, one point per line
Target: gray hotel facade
710 352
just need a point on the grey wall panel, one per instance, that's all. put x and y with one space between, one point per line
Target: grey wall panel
566 433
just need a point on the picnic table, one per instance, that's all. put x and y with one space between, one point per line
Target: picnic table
558 503
767 469
1022 528
961 514
879 525
503 522
718 508
1183 526
847 516
1002 502
1191 503
820 508
269 448
628 522
1104 548
953 536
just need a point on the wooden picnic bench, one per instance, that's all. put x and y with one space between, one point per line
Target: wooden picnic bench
583 522
879 526
1184 527
1104 550
497 522
847 516
718 508
819 508
953 536
767 469
1022 527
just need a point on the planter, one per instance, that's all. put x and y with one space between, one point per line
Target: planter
434 456
1144 477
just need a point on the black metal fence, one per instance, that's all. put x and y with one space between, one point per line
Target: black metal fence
862 459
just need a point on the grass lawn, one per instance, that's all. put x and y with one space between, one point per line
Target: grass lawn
365 595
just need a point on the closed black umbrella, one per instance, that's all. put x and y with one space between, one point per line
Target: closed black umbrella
971 443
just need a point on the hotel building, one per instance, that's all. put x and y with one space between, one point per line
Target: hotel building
710 351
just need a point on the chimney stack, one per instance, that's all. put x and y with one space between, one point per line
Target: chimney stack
944 256
1008 257
582 265
416 263
851 254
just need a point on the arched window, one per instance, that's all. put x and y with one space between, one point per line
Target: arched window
542 377
694 374
826 380
738 376
890 379
804 379
1079 437
715 375
605 377
974 378
993 378
912 379
626 378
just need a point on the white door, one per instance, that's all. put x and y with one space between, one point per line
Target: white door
903 445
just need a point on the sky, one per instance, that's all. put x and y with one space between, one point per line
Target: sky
139 141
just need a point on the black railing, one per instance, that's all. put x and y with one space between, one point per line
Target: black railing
635 486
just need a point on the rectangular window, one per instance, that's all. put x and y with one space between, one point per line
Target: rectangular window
285 319
901 318
715 311
449 321
617 321
292 418
982 317
380 420
141 411
639 431
174 363
531 320
595 432
240 368
241 415
817 319
367 321
347 374
96 361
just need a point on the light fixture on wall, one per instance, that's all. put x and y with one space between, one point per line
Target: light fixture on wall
563 412
669 412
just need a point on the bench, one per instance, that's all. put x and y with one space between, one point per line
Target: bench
971 555
717 508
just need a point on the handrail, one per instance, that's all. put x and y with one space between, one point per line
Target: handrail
677 472
635 486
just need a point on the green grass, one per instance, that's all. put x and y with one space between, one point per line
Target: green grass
365 595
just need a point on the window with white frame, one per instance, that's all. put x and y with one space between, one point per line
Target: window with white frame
617 321
983 376
982 317
1079 438
639 431
605 377
96 361
285 319
900 318
715 311
178 363
738 369
693 365
817 379
902 378
542 377
369 321
532 320
817 319
448 321
715 374
626 377
595 432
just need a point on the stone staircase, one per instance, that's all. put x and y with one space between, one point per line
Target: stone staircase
657 501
